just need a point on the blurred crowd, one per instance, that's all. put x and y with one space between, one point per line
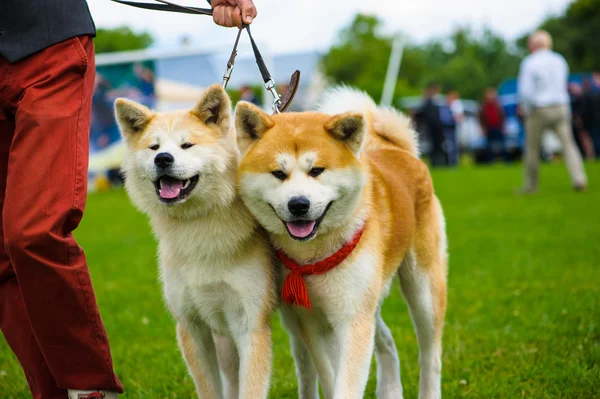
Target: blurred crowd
441 118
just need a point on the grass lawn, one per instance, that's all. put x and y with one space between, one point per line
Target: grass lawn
523 299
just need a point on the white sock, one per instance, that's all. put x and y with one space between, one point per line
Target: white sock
80 394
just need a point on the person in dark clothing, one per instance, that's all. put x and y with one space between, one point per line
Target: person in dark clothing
48 310
492 118
580 134
429 120
590 113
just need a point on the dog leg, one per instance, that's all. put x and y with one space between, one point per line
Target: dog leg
199 352
255 363
388 363
424 289
306 372
229 363
355 342
320 340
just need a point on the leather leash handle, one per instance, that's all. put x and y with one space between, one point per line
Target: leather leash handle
288 96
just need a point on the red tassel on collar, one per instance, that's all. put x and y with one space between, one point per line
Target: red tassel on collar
294 291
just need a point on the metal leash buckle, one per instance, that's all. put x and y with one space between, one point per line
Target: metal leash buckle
270 86
227 75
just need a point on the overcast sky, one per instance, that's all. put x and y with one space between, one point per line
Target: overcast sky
294 25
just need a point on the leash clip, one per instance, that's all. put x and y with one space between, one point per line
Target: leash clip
227 75
270 86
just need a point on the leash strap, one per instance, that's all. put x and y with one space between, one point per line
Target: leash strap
280 103
231 61
167 6
269 83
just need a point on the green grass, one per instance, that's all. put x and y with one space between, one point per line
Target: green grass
523 297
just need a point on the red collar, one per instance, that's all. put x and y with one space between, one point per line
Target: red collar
294 291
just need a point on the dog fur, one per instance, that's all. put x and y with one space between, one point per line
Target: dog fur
358 166
216 264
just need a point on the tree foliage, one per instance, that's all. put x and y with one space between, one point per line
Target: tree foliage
466 61
575 35
121 39
361 56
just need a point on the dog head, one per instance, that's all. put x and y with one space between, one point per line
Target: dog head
300 174
179 162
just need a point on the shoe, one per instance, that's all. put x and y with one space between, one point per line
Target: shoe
525 191
80 394
580 188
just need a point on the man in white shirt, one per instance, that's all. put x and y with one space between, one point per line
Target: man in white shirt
543 80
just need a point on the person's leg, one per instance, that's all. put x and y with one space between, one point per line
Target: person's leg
502 146
451 146
588 145
595 133
571 154
14 322
534 127
490 141
46 186
577 138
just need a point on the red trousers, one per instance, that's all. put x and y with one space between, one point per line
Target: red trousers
48 311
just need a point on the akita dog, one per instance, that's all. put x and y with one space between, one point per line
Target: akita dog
216 262
348 205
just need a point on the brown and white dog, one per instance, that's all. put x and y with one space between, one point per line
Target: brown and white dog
348 205
216 262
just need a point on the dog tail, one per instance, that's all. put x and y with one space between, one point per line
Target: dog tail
385 124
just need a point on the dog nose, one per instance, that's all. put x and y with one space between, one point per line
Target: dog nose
164 160
299 206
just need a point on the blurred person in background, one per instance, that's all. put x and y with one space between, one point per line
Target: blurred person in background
590 108
450 139
492 119
48 311
542 89
428 119
247 94
580 134
458 114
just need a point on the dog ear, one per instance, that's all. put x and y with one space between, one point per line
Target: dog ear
251 123
132 117
349 127
214 108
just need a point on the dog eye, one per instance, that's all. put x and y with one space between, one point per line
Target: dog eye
314 172
154 147
185 146
279 174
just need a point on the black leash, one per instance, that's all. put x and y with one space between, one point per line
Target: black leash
280 104
167 6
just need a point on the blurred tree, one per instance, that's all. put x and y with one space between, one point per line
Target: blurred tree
575 35
360 59
466 61
469 63
121 39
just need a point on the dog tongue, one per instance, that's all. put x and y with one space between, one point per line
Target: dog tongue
301 229
170 188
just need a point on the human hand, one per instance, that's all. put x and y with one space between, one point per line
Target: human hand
231 13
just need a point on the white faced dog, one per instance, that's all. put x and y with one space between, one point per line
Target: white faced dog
215 261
